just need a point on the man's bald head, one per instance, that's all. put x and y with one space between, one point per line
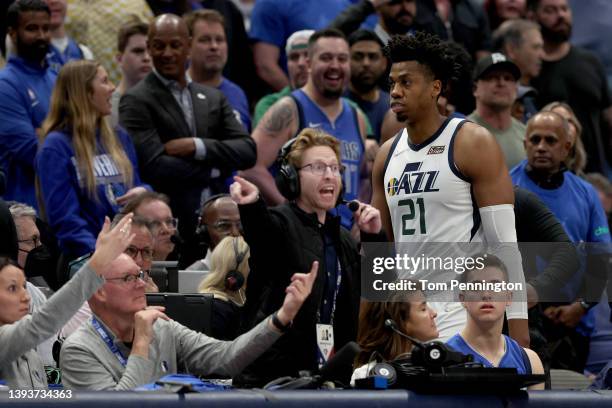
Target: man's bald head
168 22
552 119
222 218
168 45
547 142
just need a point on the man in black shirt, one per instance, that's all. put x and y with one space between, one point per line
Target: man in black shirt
574 75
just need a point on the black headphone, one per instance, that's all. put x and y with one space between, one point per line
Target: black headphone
202 229
234 279
288 180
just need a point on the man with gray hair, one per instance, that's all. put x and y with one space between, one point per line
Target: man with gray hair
297 53
522 42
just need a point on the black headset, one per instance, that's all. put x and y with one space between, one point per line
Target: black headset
202 229
288 179
234 279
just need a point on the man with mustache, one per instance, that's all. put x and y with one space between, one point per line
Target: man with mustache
576 76
368 65
319 104
25 90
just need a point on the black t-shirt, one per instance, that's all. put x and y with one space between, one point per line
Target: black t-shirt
579 80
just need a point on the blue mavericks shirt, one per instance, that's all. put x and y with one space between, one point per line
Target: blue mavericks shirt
515 356
237 100
56 59
346 130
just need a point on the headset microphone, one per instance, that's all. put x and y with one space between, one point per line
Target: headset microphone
390 324
432 355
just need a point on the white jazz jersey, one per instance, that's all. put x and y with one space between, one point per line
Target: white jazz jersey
429 200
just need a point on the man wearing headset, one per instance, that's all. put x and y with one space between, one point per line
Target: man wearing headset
291 237
219 218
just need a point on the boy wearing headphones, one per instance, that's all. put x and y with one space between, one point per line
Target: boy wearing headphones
290 238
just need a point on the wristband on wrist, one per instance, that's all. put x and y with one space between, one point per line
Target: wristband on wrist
279 325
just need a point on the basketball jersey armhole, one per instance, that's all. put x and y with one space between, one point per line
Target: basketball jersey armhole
397 136
300 110
526 361
451 157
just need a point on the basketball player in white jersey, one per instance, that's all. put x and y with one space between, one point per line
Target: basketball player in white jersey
441 179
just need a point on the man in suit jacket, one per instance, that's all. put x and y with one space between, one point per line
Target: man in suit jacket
186 134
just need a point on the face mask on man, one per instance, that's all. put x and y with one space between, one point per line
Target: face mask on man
39 262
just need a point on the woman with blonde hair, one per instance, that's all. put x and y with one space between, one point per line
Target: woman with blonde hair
227 282
86 170
577 158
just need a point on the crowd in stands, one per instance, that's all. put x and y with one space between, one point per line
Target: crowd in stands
226 138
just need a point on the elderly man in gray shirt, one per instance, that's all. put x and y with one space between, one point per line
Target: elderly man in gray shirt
126 344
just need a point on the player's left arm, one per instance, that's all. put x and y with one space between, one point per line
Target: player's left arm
479 158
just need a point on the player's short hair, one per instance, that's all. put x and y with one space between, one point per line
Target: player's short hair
424 48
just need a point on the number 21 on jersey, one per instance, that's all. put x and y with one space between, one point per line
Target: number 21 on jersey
415 209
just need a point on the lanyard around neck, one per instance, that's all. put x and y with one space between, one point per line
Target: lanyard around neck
109 342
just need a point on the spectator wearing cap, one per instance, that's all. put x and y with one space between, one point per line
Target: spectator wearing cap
495 78
522 42
297 53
